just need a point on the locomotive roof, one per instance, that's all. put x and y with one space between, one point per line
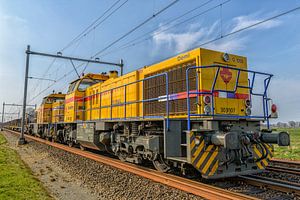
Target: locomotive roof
55 95
92 76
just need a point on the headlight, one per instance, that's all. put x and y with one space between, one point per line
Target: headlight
247 102
197 141
207 109
248 111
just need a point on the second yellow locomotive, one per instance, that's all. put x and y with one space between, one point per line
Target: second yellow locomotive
191 111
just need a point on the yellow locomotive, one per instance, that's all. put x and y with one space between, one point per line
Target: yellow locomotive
191 111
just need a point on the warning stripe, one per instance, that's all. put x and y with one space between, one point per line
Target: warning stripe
191 135
199 149
195 147
192 140
211 159
265 151
214 168
203 158
193 144
259 154
204 155
207 158
271 150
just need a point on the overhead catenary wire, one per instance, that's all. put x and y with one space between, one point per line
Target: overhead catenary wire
136 27
155 14
92 26
209 41
85 32
157 31
132 30
47 69
58 80
251 26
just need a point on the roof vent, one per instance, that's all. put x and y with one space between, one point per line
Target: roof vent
113 74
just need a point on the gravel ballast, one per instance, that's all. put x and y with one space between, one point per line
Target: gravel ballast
103 181
106 182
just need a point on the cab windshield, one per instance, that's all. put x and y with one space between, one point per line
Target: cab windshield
47 100
71 87
85 83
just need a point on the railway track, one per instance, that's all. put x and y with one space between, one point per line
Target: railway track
193 187
281 166
285 166
284 170
286 163
271 183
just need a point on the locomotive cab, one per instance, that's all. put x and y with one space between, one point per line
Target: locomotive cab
44 112
45 117
75 98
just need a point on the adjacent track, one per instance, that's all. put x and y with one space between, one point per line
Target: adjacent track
193 187
283 170
281 166
285 166
287 163
274 184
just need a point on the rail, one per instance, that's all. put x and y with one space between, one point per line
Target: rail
189 186
271 183
212 91
284 166
288 163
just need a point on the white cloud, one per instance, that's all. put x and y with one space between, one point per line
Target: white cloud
14 19
197 34
181 41
248 20
230 45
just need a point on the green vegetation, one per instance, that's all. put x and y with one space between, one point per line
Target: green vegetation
16 180
293 151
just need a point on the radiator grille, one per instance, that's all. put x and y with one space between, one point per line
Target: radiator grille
156 87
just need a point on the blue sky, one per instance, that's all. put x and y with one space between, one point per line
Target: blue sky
49 25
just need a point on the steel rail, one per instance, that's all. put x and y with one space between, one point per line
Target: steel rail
284 166
270 183
193 187
289 170
289 163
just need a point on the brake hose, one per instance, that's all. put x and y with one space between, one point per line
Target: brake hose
263 147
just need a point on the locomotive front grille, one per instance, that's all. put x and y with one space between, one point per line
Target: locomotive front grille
156 87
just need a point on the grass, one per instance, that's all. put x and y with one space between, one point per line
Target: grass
291 152
16 179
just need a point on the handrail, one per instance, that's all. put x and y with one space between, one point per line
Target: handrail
130 102
213 90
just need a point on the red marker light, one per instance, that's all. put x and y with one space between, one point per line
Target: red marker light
206 99
273 108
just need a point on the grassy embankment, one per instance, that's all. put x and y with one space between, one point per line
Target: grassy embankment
293 151
16 180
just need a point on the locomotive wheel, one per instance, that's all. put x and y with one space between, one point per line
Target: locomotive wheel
160 164
82 147
71 144
122 156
